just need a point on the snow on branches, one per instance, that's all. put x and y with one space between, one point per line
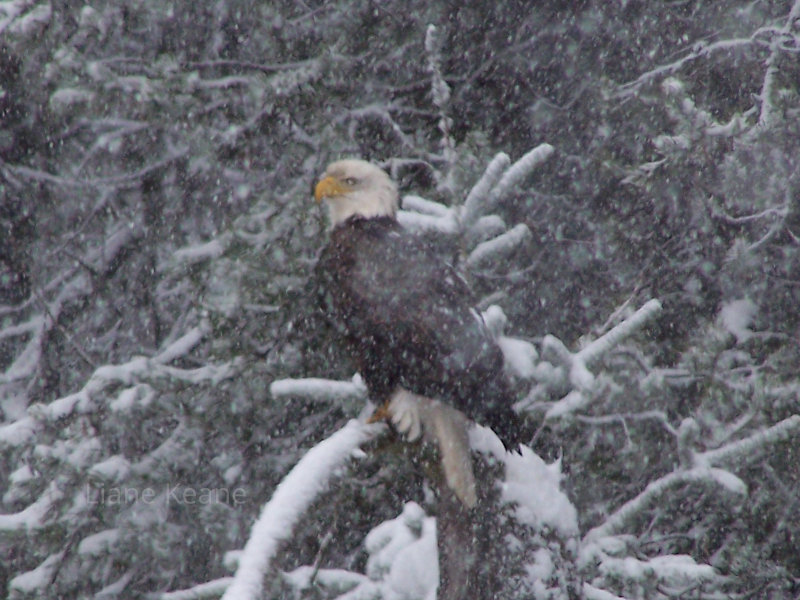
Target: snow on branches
290 500
486 234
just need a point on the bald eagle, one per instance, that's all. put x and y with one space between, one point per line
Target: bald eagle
406 316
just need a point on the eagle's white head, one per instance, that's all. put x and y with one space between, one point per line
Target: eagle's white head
356 187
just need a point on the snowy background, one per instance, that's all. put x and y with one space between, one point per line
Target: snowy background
617 180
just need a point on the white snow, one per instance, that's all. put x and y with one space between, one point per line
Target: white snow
542 567
33 516
617 521
31 325
125 373
531 484
10 10
680 569
60 408
597 349
65 98
337 580
594 593
474 205
318 390
29 23
570 403
114 590
425 207
18 432
501 245
486 227
404 556
421 223
80 453
231 559
534 486
194 254
517 172
21 475
28 583
729 481
672 569
17 489
672 142
209 373
495 320
231 474
520 356
572 369
98 543
184 344
736 317
114 468
140 395
387 539
295 493
746 448
672 86
27 361
210 589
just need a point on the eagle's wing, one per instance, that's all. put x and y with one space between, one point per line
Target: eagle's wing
423 312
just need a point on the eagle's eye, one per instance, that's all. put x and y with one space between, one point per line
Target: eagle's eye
351 181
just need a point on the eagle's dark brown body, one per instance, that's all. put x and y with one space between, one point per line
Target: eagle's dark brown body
408 320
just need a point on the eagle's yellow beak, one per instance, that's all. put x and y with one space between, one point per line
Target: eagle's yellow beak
327 187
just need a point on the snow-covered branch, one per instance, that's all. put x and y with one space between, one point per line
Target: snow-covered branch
210 589
441 99
698 51
500 246
425 206
31 583
319 390
570 373
99 261
597 349
192 255
137 370
498 180
617 522
530 485
736 453
775 49
338 581
479 193
743 451
183 345
32 517
517 173
296 492
420 222
672 571
25 328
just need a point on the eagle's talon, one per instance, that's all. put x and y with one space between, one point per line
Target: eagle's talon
380 414
404 409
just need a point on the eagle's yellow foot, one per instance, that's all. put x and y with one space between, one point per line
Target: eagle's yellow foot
403 412
381 413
